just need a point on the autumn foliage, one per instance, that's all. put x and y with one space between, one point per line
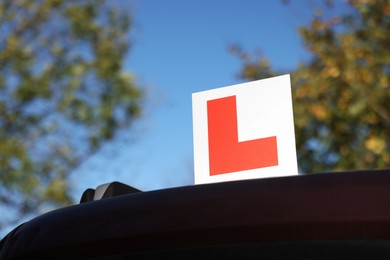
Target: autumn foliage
341 94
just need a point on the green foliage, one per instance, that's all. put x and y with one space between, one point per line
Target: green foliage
63 92
341 94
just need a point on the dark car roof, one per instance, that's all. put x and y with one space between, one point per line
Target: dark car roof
322 207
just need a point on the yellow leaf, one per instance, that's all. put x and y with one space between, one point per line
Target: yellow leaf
375 144
319 111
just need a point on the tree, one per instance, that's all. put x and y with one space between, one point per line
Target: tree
341 94
63 93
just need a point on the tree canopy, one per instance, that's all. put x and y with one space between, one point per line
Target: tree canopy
341 93
63 93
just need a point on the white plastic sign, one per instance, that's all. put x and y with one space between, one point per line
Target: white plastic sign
244 131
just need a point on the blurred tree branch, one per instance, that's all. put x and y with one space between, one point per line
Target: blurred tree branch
341 94
63 93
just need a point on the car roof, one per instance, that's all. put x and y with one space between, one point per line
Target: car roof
318 207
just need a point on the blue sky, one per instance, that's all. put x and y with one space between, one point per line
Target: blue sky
181 47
